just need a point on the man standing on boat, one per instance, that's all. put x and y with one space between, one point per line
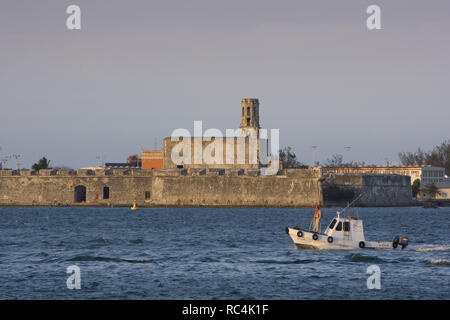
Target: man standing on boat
316 219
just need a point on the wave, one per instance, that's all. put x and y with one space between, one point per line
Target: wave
6 243
106 259
100 240
431 248
438 262
356 257
285 262
208 259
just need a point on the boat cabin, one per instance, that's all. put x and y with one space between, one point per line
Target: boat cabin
349 228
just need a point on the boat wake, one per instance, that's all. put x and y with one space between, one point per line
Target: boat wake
286 261
106 259
431 248
438 262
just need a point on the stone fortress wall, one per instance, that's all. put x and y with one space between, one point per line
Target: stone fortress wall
376 189
190 187
171 187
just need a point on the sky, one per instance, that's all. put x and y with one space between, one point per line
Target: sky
137 70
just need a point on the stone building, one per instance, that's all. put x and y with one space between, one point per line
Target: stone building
241 151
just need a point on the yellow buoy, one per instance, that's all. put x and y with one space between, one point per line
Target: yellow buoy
134 207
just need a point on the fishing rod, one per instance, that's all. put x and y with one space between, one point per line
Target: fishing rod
350 203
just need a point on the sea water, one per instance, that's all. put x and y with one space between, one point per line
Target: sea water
206 253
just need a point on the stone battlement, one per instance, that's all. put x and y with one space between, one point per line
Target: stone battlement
155 173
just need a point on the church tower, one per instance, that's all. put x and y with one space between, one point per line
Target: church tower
250 114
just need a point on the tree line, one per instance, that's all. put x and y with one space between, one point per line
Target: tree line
288 159
439 156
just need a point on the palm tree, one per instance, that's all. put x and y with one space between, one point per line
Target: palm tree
41 164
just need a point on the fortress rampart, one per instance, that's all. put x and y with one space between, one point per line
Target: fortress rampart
376 189
171 187
194 187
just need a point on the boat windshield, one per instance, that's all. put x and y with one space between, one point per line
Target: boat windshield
332 224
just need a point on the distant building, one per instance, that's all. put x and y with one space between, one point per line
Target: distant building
242 151
134 161
432 175
442 191
120 165
152 159
413 172
426 174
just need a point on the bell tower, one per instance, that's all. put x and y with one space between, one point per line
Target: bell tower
250 114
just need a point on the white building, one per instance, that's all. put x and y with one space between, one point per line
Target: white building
432 175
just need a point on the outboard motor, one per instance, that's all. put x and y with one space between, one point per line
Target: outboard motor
403 241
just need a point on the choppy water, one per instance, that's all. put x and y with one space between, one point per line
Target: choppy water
215 254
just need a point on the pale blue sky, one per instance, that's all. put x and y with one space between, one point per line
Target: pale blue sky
139 69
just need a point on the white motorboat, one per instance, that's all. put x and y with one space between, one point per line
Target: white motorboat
342 233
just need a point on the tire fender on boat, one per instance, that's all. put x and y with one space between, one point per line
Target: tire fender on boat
330 239
315 236
362 245
300 233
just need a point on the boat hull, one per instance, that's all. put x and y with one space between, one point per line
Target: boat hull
306 241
